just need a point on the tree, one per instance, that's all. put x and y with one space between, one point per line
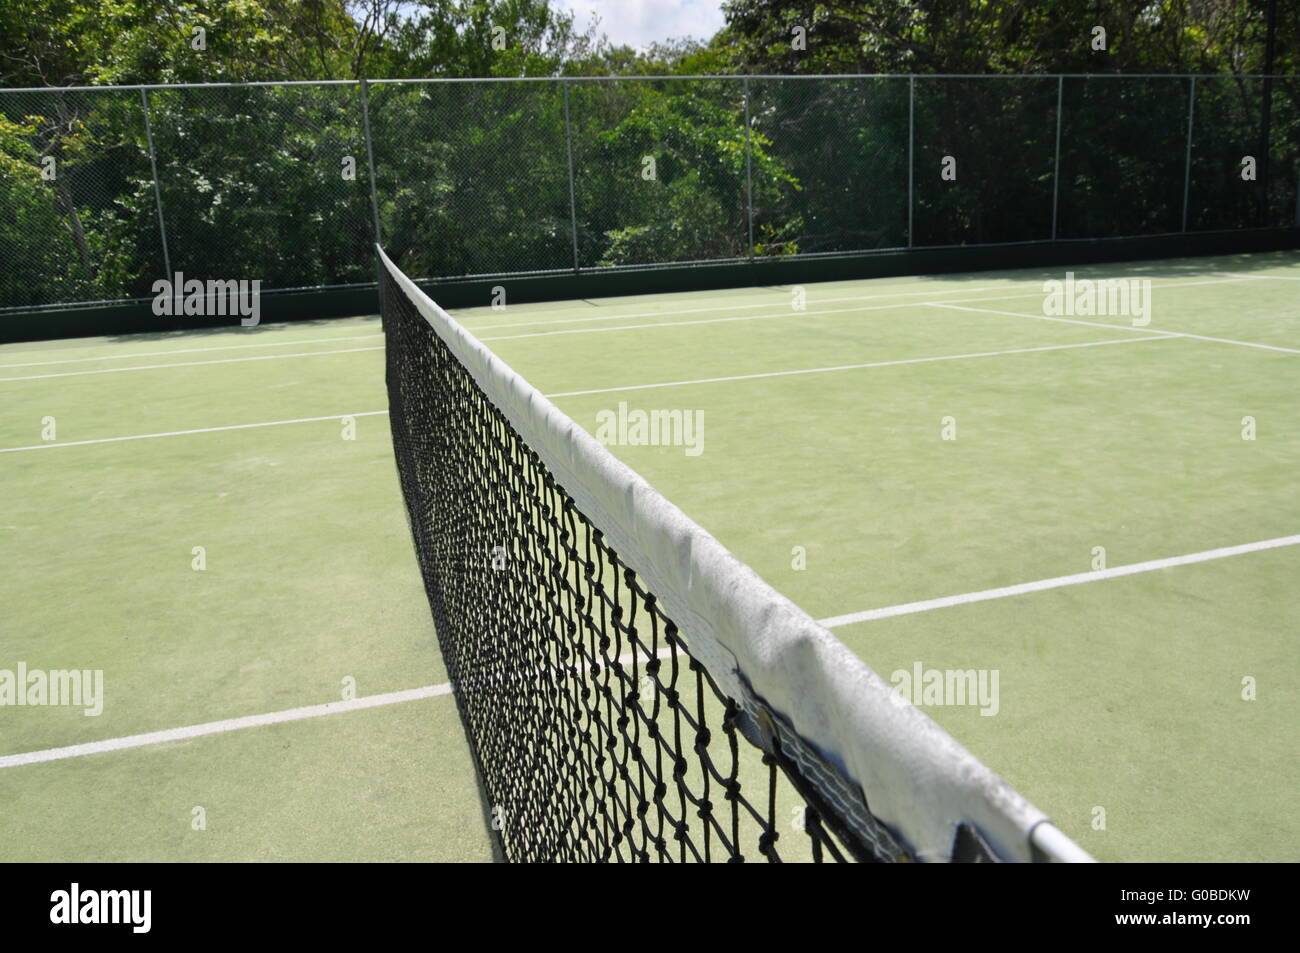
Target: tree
1001 36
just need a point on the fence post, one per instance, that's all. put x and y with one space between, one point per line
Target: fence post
1056 168
911 145
1187 171
573 199
370 159
157 193
1266 147
749 175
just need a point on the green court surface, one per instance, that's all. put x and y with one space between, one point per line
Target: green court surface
1151 712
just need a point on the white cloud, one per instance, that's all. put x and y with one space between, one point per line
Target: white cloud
638 23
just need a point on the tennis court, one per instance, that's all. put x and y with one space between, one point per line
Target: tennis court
890 454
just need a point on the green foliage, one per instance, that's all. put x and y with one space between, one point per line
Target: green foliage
772 241
694 208
252 186
686 223
72 237
1005 36
473 178
454 38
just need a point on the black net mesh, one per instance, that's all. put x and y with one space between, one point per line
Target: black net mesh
597 735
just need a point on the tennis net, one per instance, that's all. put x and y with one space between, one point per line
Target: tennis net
629 689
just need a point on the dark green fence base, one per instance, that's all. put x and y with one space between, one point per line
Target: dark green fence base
477 292
138 318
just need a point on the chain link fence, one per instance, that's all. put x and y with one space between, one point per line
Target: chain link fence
1228 115
983 159
78 218
832 164
659 171
472 178
267 182
105 190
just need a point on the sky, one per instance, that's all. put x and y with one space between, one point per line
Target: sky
639 23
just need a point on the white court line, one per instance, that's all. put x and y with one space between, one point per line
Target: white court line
1117 327
192 350
508 337
224 360
1058 320
181 433
250 721
813 299
431 691
854 367
787 313
1262 347
1043 294
1057 582
501 337
608 317
613 390
727 307
220 727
